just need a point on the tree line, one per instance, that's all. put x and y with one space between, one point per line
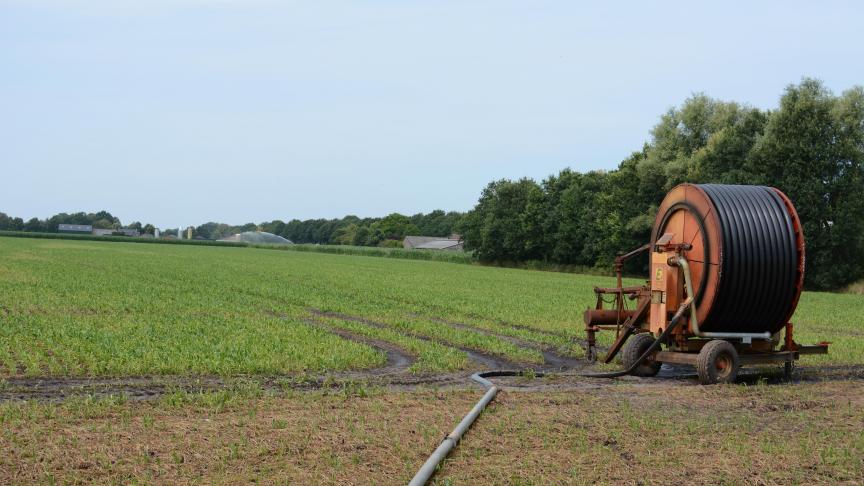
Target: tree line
98 220
811 147
350 230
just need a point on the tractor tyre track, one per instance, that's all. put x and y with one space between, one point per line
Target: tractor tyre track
553 360
398 360
144 388
54 389
486 360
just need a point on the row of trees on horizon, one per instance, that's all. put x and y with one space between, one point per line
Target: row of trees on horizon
350 230
811 147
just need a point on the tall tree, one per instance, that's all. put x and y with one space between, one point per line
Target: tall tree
499 227
813 150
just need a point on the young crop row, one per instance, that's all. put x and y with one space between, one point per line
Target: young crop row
103 308
113 345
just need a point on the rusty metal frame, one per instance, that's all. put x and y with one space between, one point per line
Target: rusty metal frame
597 319
628 328
620 259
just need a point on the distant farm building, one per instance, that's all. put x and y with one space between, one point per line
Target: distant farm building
258 237
453 243
117 232
80 229
86 229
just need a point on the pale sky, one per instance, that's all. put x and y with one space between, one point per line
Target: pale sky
181 112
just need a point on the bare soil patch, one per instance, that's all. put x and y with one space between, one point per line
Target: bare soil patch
810 433
655 434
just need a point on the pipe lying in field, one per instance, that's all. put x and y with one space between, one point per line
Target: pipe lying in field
449 443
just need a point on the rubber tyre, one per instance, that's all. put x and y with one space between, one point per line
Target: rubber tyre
717 363
634 349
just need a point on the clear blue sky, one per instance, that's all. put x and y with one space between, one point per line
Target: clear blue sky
181 112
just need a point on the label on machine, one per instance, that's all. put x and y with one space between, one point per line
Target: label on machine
665 292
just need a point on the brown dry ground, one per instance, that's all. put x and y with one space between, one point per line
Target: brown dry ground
616 432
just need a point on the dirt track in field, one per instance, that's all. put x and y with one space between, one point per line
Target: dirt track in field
486 361
562 373
398 360
153 387
552 359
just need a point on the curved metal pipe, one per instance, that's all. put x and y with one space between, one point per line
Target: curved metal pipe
682 262
427 470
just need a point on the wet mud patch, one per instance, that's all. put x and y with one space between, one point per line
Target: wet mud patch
142 388
134 388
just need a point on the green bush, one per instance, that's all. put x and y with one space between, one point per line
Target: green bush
390 244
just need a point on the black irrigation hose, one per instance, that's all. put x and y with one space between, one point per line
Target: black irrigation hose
656 344
759 263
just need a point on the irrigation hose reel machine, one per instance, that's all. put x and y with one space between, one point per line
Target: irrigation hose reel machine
726 269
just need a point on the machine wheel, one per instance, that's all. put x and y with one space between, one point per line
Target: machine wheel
717 363
634 349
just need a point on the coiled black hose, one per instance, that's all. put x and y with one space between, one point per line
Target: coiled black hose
759 263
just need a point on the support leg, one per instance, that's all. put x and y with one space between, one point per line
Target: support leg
591 347
787 369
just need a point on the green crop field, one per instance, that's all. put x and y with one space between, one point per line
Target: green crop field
253 327
87 308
